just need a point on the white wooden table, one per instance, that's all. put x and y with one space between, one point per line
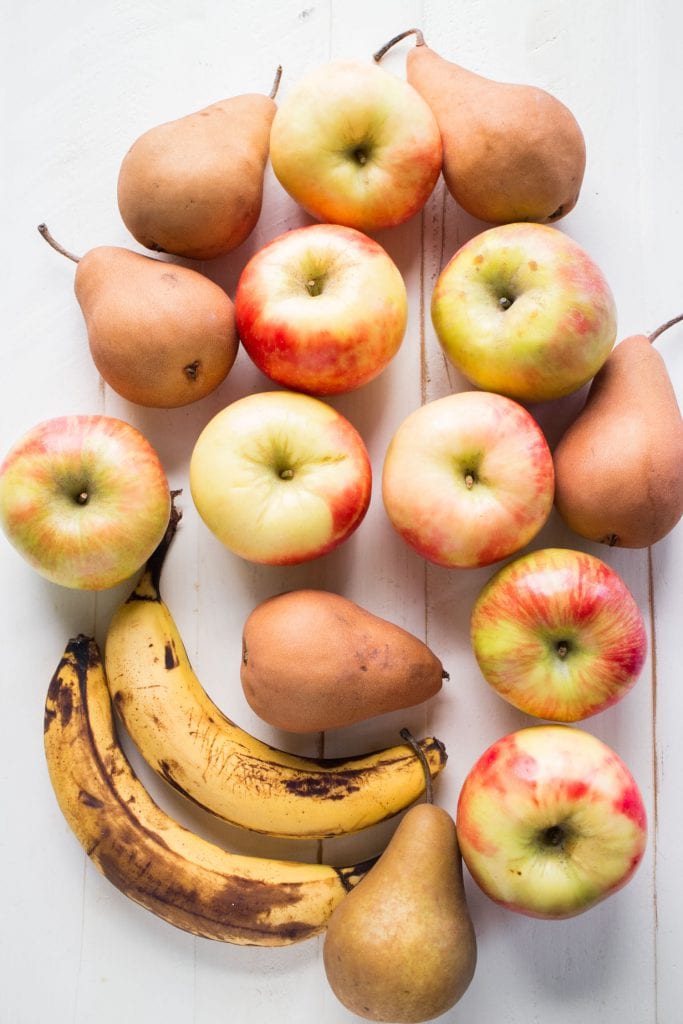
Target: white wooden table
81 81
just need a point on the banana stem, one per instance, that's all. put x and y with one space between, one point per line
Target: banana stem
664 327
420 754
276 83
42 228
419 41
155 562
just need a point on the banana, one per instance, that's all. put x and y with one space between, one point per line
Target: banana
148 856
187 740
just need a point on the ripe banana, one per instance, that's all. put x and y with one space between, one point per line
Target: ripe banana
186 739
148 856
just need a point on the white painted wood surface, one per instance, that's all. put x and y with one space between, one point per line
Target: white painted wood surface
80 82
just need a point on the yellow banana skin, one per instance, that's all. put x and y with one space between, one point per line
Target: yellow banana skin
184 736
148 856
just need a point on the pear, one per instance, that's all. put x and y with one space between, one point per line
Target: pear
401 946
313 660
194 186
160 335
619 466
510 152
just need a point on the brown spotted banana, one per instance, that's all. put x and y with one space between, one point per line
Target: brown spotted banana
188 741
187 881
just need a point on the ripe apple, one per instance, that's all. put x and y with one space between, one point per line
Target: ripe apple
550 821
321 309
468 479
521 309
280 477
84 499
558 634
355 145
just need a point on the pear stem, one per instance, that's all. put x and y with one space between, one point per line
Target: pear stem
664 327
419 41
276 82
55 245
419 752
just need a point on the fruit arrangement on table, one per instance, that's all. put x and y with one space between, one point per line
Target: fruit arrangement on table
549 820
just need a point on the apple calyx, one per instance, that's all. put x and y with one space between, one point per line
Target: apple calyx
419 41
562 647
554 837
420 754
664 327
43 229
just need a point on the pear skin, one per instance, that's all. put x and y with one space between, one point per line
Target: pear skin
510 152
194 186
313 660
160 335
619 466
401 946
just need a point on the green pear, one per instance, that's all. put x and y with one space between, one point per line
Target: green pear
401 947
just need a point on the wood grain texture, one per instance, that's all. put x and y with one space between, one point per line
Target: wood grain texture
81 81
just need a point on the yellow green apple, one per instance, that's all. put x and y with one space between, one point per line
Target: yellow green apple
522 309
280 477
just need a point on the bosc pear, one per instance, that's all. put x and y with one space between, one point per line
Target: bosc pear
313 660
619 466
194 186
510 152
401 946
160 335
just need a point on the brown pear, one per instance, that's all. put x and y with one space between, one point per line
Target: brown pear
510 152
160 335
313 660
401 946
194 186
619 466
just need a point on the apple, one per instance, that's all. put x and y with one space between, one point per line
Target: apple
523 310
550 821
280 477
353 144
321 309
468 479
84 499
558 634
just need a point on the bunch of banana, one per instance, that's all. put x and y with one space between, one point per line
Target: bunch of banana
147 855
187 740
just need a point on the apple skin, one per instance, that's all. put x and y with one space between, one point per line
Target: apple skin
487 441
355 145
280 477
558 634
321 309
84 543
550 821
523 310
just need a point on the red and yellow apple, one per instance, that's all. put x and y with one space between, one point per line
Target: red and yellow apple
321 309
280 477
558 634
550 821
468 479
84 499
353 144
523 310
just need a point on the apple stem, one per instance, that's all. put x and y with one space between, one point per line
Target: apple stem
82 498
562 649
469 481
420 754
664 327
419 41
314 287
42 228
276 83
